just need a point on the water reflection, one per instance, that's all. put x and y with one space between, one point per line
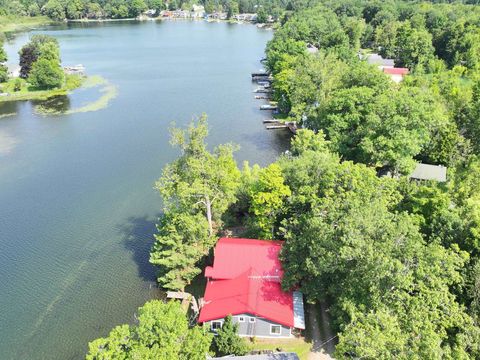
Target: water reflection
9 108
54 105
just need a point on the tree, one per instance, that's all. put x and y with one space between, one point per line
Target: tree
227 341
30 52
384 130
157 5
74 9
136 7
262 16
308 140
268 195
181 242
199 181
3 67
46 74
197 189
382 328
162 333
210 6
54 10
232 8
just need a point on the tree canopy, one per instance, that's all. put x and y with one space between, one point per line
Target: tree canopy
162 333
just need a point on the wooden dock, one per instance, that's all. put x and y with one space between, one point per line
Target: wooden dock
186 299
292 126
271 121
275 127
260 74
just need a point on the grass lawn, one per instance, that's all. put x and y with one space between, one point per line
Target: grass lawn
12 23
296 345
19 89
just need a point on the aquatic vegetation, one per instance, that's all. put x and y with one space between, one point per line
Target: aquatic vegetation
7 115
57 106
109 92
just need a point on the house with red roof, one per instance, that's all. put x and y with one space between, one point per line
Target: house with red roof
396 74
245 282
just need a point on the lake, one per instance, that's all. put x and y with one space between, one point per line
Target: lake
77 205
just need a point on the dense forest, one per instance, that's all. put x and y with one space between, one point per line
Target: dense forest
397 260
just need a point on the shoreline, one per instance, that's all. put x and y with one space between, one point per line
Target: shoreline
72 82
159 18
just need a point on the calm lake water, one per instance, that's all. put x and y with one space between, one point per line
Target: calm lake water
77 207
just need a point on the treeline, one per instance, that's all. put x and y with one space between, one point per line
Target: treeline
119 9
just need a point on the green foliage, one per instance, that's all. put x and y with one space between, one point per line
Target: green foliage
17 85
54 9
162 333
383 130
32 51
46 74
227 341
407 44
136 7
268 196
182 240
345 241
199 181
262 16
3 73
196 189
307 140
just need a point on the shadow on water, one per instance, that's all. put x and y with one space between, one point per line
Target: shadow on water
280 140
8 108
137 237
55 105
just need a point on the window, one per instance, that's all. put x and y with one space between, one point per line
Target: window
241 319
275 329
252 320
215 325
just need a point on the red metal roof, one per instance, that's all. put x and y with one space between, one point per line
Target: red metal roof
245 279
395 71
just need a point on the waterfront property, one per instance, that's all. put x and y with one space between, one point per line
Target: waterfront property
245 282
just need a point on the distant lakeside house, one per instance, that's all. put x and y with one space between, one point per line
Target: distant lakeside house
387 66
245 282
